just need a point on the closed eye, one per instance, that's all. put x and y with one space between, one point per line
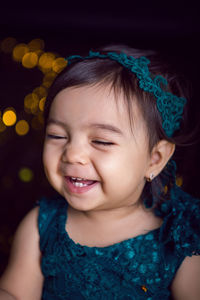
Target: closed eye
56 137
102 143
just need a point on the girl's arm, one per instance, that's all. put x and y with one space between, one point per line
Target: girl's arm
186 284
23 277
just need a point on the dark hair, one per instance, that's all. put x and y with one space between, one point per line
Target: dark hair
105 71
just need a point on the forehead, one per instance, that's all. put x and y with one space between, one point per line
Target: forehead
95 103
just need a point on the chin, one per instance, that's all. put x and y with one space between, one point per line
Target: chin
80 203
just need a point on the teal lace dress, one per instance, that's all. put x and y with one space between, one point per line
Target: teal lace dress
142 267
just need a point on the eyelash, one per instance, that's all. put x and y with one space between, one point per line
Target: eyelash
56 137
103 143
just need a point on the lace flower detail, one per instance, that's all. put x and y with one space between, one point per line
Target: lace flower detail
169 106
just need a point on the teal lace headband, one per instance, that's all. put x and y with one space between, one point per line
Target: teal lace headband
169 105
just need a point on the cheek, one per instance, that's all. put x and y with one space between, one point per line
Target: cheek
51 163
46 163
112 166
50 157
125 166
45 157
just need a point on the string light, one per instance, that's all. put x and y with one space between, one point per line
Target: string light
31 55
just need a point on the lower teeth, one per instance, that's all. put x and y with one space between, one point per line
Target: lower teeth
79 184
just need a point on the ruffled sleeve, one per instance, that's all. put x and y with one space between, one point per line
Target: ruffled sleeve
180 231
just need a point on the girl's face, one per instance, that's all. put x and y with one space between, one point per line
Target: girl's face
91 156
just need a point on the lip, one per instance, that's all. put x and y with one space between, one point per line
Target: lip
76 189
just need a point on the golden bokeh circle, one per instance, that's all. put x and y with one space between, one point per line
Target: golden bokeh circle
22 127
165 189
46 61
8 44
36 44
30 60
179 181
9 117
31 102
19 51
25 174
59 64
40 91
42 103
49 78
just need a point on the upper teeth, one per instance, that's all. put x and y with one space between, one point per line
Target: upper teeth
77 178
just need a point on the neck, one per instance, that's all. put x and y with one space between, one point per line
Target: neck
104 228
101 216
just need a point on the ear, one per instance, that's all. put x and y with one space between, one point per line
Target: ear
159 157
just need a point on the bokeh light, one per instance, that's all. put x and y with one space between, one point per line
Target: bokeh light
36 44
19 51
30 60
49 78
2 126
31 55
9 117
26 174
31 102
8 44
42 104
40 91
7 182
46 61
179 181
22 127
165 189
37 122
59 64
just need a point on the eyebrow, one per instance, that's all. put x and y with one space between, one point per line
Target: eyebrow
57 122
107 127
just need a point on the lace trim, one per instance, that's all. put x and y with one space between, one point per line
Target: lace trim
181 225
141 267
170 106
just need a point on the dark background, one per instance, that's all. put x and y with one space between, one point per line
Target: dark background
170 27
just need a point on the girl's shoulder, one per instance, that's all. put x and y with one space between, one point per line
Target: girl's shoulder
181 223
22 277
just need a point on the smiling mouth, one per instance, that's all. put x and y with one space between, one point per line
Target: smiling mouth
80 182
77 185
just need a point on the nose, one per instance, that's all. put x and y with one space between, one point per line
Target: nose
75 154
